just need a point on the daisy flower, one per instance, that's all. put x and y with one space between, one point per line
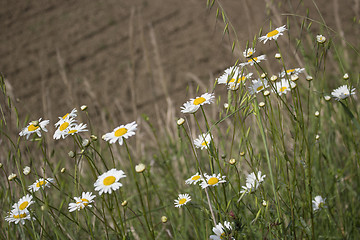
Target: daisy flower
77 128
40 183
81 202
182 200
203 141
252 61
291 72
123 131
212 180
249 52
252 182
320 39
34 127
258 86
194 104
273 34
109 181
17 216
72 114
283 86
318 203
194 179
23 203
342 92
63 129
222 231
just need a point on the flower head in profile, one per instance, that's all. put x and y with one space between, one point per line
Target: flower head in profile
212 180
284 86
81 202
249 52
203 141
254 60
292 71
194 179
342 92
40 183
34 127
77 128
318 203
274 34
109 181
63 130
258 86
222 231
121 132
69 115
233 77
182 200
17 216
194 104
253 182
23 203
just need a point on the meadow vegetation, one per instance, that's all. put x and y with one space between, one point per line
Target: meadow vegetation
275 157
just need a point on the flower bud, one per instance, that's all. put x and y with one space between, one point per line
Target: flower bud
309 78
71 154
85 142
180 121
277 55
273 78
232 161
346 76
261 104
317 113
124 203
263 75
12 176
26 170
164 219
83 107
294 77
140 168
266 93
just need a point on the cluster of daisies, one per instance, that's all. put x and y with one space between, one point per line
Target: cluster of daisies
105 183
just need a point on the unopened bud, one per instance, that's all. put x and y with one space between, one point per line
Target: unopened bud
180 121
346 76
63 170
71 154
317 113
317 137
85 142
164 219
294 77
93 138
83 107
242 154
266 93
140 168
124 203
273 78
327 98
277 55
261 104
12 176
309 78
26 170
232 161
226 105
263 75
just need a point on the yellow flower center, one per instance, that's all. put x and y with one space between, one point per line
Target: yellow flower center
197 177
283 89
272 33
204 143
40 183
290 70
182 201
259 88
23 205
240 79
109 180
72 131
85 201
20 215
213 181
32 128
253 59
199 100
120 132
222 236
65 116
64 126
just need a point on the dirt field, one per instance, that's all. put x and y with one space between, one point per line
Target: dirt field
127 57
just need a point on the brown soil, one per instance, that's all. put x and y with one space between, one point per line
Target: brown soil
124 57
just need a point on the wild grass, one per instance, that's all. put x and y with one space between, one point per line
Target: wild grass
300 143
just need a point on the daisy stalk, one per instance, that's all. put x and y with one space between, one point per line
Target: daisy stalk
150 228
